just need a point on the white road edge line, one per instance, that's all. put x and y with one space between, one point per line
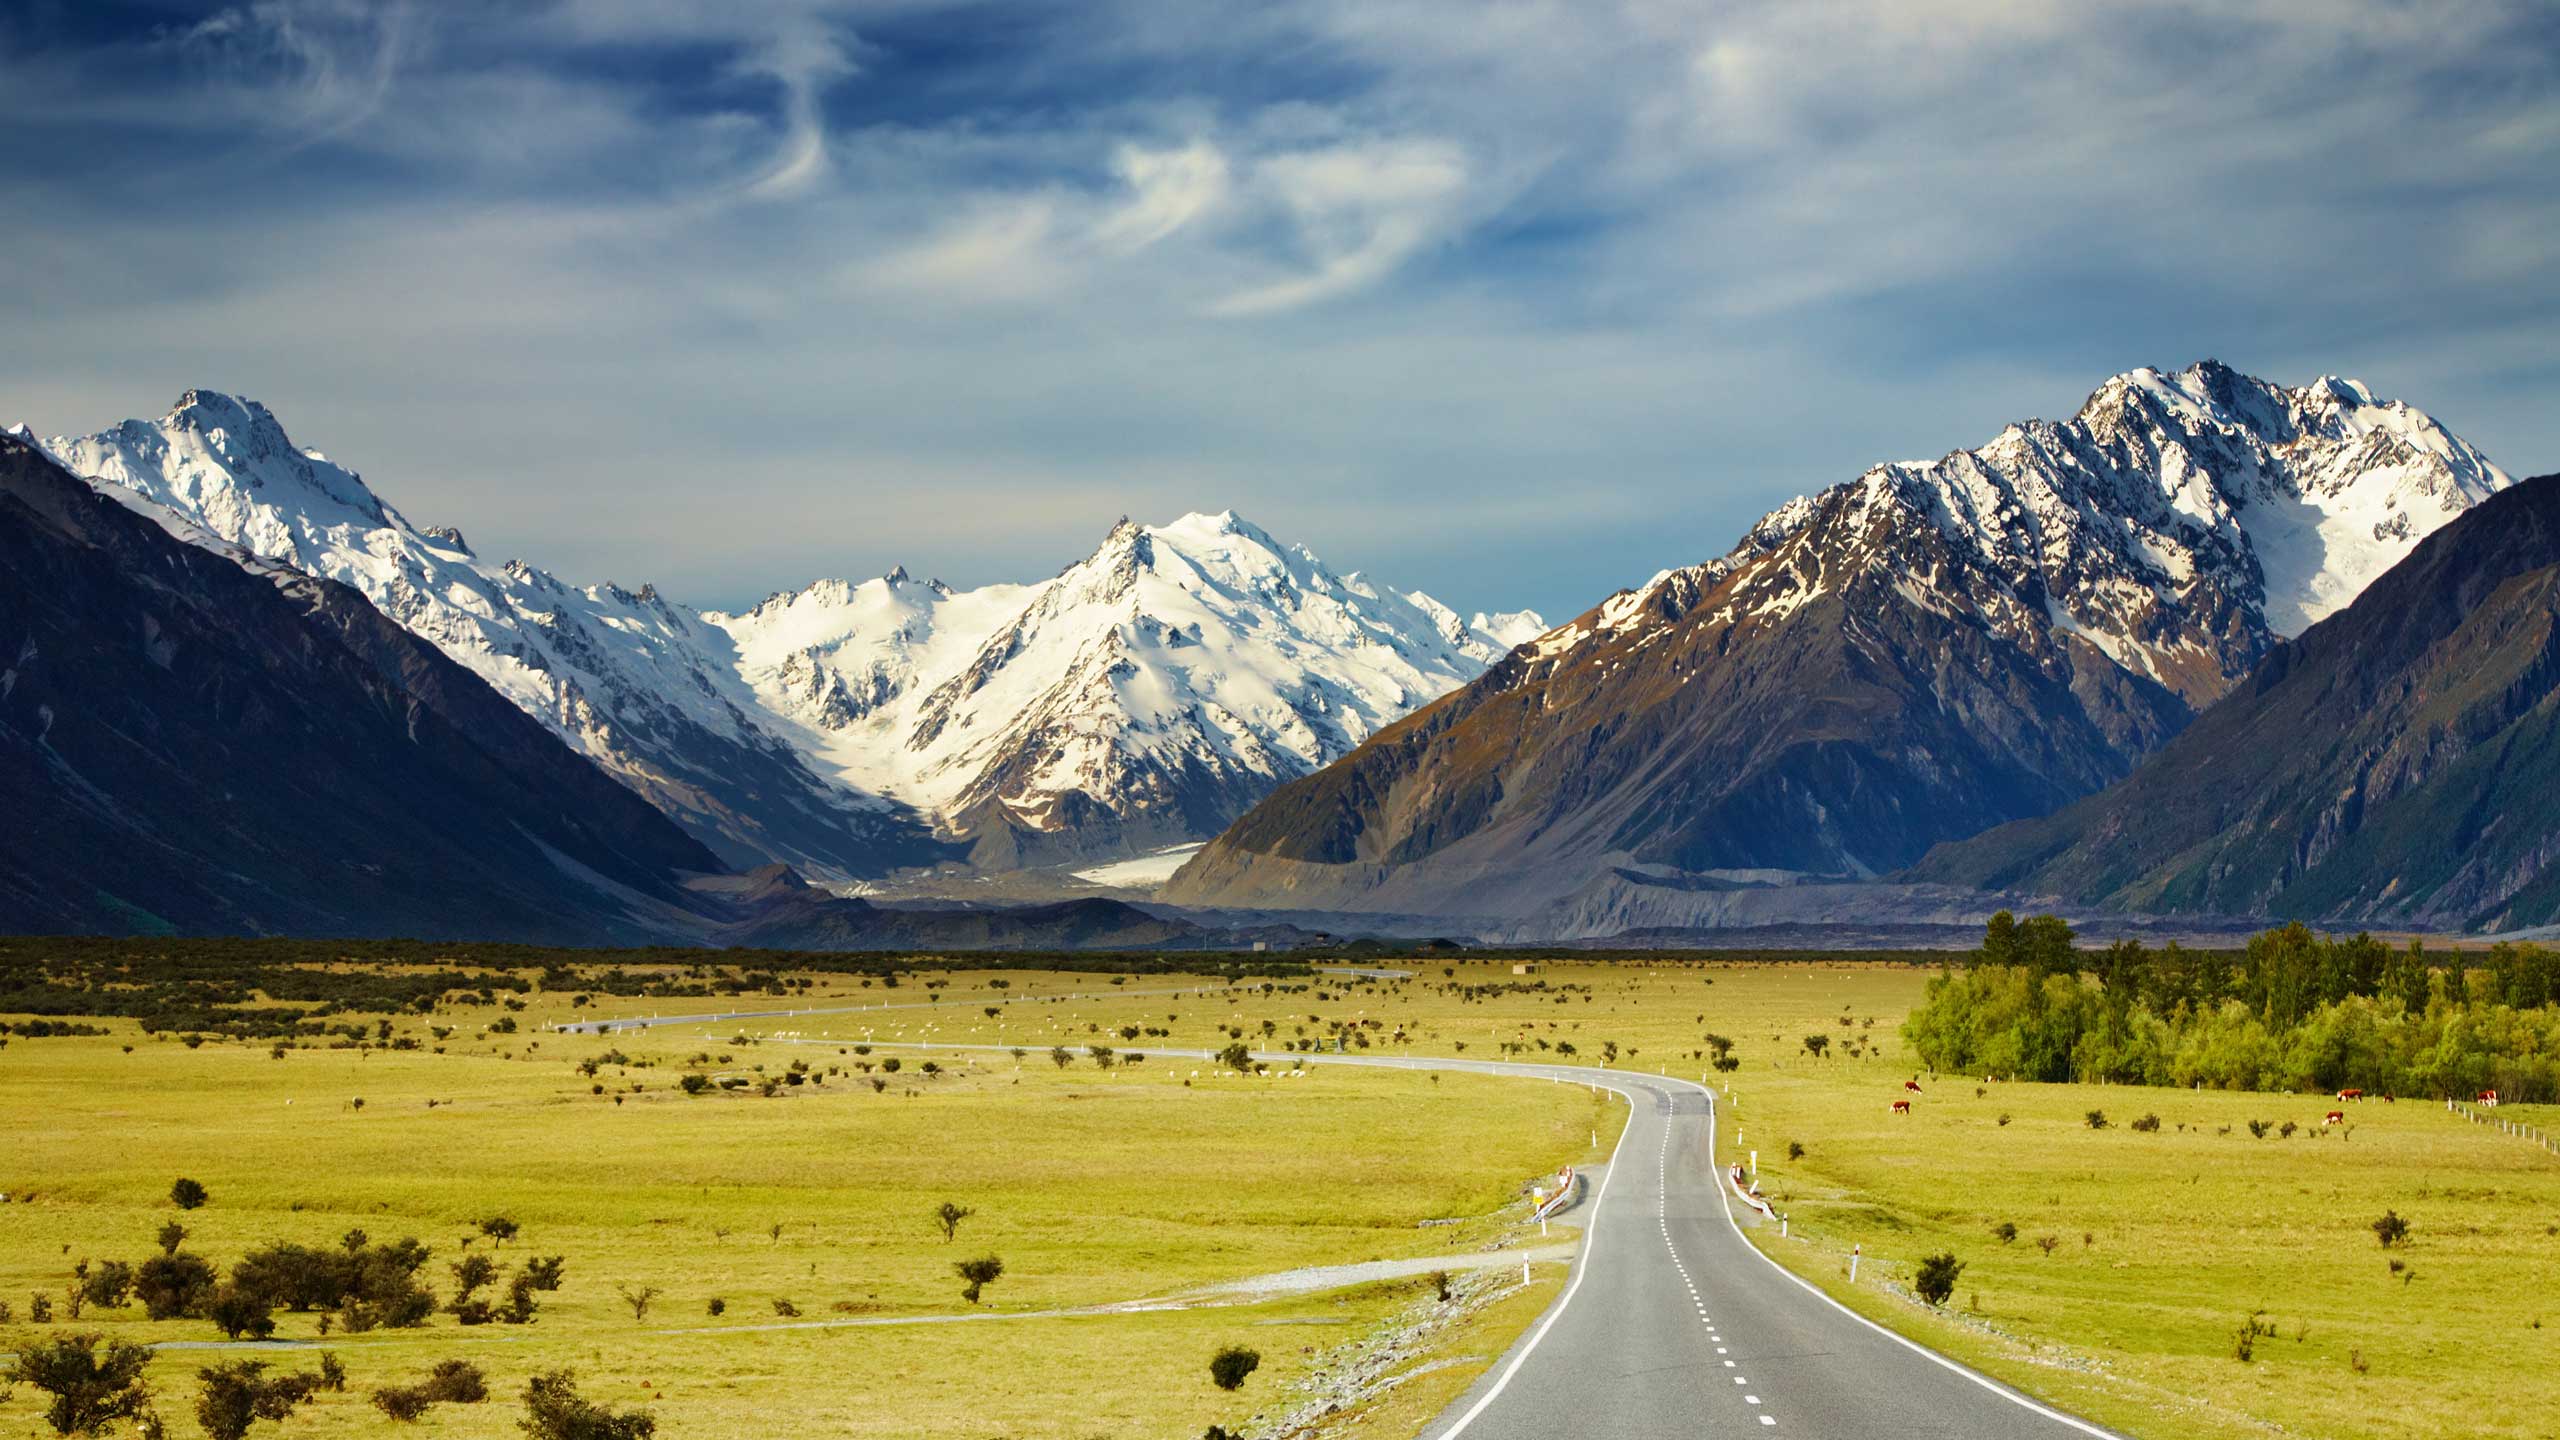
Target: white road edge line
1581 1268
1956 1367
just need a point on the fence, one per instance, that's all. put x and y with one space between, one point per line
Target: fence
2517 1128
1569 1182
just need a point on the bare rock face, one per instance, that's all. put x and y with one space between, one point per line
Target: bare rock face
1914 656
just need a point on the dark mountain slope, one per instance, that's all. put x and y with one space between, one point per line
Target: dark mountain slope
187 745
2398 764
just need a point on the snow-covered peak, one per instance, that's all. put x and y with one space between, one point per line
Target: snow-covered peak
2178 522
1169 676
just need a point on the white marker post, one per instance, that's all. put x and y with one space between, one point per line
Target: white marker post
1854 1252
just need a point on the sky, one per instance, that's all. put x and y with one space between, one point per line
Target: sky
1515 302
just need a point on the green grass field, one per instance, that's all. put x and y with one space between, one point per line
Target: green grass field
1106 1186
1095 1187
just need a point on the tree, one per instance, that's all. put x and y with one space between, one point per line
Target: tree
694 1083
1936 1278
239 1393
108 1285
554 1410
2000 940
187 1194
1814 1045
2043 944
499 1229
638 1299
948 1215
1238 1057
1061 1056
979 1274
174 1286
90 1391
2391 1229
1230 1366
172 1235
240 1312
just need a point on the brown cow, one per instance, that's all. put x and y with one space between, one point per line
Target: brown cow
2350 1094
2334 1117
1901 1107
1911 1085
2489 1098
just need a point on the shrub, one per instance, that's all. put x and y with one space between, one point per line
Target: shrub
109 1285
948 1215
979 1274
2048 1244
785 1308
2258 1129
238 1312
638 1298
2007 1231
1230 1366
2097 1119
1936 1278
2147 1124
890 1065
2004 1119
2391 1229
456 1382
90 1390
172 1235
2244 1346
1795 1149
174 1286
2285 1131
716 1306
187 1194
404 1403
694 1084
553 1410
237 1394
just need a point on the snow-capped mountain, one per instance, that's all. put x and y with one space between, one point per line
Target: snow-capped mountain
1912 656
640 685
1144 696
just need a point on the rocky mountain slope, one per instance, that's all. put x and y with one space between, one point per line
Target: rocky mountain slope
2398 764
187 744
1914 656
1143 697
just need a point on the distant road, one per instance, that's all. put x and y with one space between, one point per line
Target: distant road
1673 1326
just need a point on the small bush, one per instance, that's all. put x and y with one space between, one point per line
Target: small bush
2391 1230
2258 1129
1936 1278
554 1410
1229 1367
2007 1231
2244 1345
187 1194
2097 1119
1795 1149
979 1274
716 1307
2148 1124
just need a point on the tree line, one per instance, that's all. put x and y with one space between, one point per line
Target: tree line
2291 1010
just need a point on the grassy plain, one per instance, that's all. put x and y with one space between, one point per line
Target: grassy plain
2165 1242
1094 1186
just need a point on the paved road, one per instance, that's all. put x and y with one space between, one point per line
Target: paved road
1673 1325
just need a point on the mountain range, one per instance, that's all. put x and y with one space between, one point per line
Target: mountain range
2211 647
1141 698
1913 656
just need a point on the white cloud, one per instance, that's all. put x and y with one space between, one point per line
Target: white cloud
1357 212
1168 189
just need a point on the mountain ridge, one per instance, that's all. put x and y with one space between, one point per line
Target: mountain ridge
1914 655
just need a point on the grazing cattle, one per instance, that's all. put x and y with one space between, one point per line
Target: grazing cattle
2386 1097
1901 1107
2489 1098
1911 1085
2350 1094
2334 1117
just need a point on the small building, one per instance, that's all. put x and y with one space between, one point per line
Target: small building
1524 967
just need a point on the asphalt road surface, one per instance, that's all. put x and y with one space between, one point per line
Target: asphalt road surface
1672 1325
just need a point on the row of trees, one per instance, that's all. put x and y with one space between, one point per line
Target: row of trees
91 1384
2293 1010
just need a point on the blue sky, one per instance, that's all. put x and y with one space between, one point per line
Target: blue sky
1516 302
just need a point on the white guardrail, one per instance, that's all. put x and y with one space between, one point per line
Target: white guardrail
1733 1177
1567 1183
